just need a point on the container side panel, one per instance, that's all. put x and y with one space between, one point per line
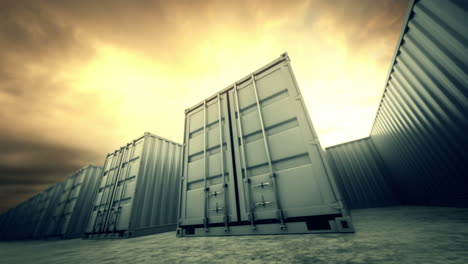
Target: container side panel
361 175
420 128
155 203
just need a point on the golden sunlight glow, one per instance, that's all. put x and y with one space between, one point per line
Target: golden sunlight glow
144 95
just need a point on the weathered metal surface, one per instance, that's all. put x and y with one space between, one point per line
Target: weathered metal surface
45 208
70 212
361 175
83 193
420 128
252 157
27 220
138 190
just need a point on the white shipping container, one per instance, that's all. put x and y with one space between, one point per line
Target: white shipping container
138 190
253 163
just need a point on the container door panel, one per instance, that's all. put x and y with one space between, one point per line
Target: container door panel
282 173
208 189
122 200
106 186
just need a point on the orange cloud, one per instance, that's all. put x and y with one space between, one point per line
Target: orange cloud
80 78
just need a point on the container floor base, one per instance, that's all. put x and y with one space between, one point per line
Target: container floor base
134 233
338 225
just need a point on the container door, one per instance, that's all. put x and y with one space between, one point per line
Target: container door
98 216
278 161
58 214
70 208
208 188
122 201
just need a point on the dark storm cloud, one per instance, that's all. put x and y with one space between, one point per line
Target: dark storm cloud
33 43
41 39
31 35
28 167
29 31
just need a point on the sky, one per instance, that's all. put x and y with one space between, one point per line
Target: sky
79 79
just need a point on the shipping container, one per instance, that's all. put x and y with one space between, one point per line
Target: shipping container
3 218
74 202
3 223
138 190
20 222
30 213
45 208
6 224
253 163
361 175
421 124
16 224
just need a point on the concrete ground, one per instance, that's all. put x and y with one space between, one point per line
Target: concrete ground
383 235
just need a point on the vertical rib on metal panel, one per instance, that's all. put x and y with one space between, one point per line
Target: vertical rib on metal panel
420 128
266 113
361 175
155 201
84 202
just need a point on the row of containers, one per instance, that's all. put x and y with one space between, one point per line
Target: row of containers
60 211
251 162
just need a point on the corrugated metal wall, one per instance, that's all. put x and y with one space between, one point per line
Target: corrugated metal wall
157 192
46 206
31 219
68 219
361 175
84 204
138 190
421 125
252 158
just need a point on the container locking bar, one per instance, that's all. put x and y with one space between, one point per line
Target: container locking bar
250 205
106 184
122 155
96 221
268 154
221 151
205 160
132 153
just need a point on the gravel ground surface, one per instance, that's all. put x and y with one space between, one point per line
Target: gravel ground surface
383 235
